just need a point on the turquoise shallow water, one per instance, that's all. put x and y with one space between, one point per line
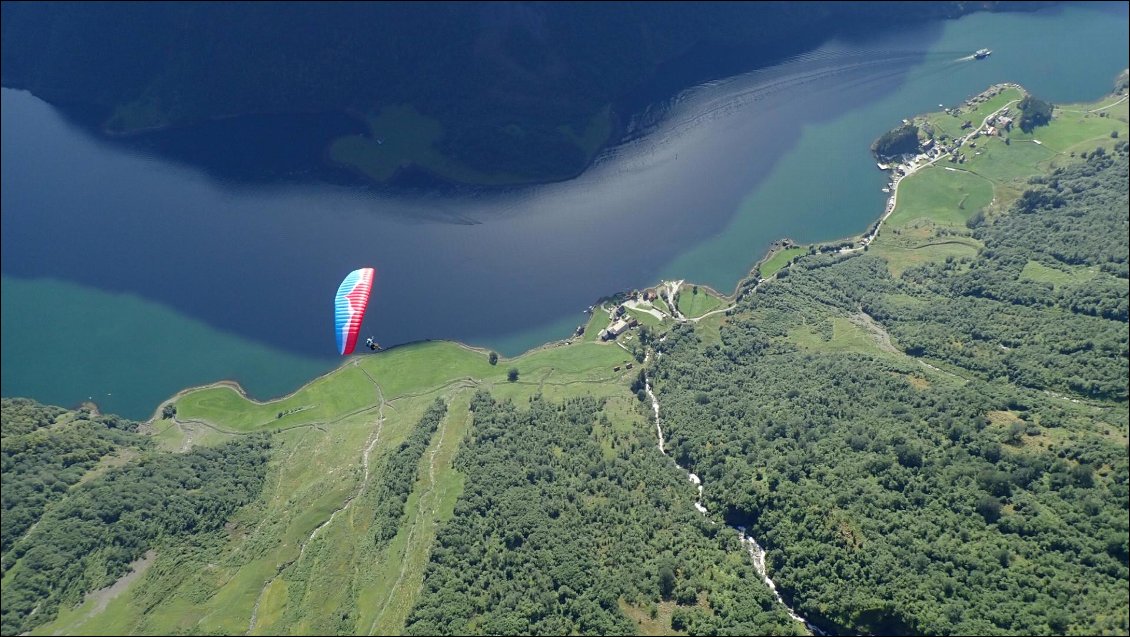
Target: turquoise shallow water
123 352
827 185
128 277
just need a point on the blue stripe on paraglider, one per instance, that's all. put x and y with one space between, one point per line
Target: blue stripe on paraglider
342 310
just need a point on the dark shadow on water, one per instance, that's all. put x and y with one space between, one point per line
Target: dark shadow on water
268 149
255 277
251 150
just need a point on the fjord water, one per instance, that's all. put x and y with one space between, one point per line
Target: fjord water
128 277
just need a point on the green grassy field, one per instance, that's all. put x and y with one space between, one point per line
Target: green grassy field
597 322
709 329
1065 275
841 336
1073 128
695 301
899 258
941 196
646 318
401 572
999 163
297 560
780 259
950 125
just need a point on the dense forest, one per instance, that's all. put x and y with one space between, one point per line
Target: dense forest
44 451
87 532
555 532
990 500
514 86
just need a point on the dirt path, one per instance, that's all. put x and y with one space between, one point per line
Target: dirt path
1110 105
646 307
721 310
1097 110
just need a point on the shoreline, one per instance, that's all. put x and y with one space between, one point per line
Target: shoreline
746 284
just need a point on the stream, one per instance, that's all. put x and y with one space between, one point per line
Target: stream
756 552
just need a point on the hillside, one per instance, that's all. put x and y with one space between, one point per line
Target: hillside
928 435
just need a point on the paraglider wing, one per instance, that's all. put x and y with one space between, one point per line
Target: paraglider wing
349 307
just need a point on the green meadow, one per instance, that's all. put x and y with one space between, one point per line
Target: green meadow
291 560
1058 276
694 301
778 260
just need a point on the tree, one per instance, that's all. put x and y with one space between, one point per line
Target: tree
1034 113
1081 473
666 581
512 375
169 410
989 508
1057 620
900 141
493 358
645 335
1004 557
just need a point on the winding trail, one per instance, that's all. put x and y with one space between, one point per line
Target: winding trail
1097 110
1110 105
756 552
721 310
